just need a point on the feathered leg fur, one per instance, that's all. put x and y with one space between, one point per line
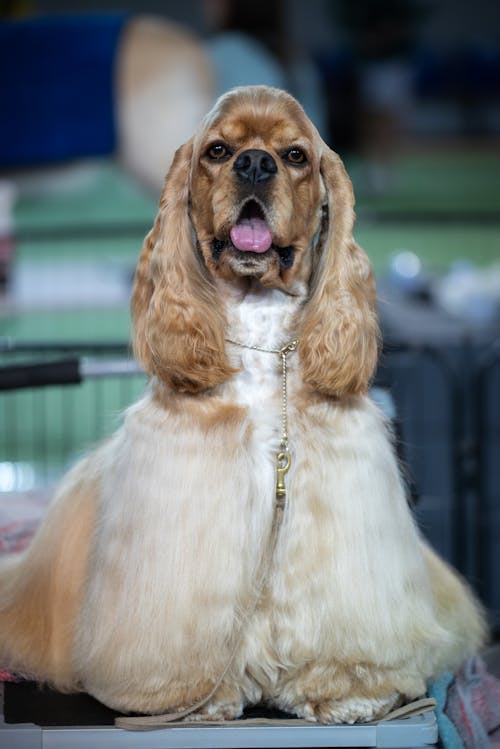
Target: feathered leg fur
41 590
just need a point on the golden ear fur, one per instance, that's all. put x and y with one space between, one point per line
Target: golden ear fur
339 332
179 322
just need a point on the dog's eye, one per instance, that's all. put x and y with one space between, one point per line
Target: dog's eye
218 151
295 156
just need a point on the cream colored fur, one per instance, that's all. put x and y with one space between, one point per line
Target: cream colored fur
175 513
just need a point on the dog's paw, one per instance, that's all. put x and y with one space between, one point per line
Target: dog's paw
216 711
352 710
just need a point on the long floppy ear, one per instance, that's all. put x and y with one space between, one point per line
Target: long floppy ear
178 318
339 332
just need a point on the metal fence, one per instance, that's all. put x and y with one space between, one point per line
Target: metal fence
57 400
448 404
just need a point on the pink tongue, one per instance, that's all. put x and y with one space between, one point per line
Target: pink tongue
251 235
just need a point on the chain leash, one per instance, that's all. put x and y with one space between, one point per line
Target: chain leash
283 457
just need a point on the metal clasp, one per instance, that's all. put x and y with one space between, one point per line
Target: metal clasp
284 461
289 347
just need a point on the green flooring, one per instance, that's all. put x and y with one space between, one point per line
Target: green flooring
99 192
457 181
81 213
463 187
438 246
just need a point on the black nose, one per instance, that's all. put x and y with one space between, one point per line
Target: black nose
255 166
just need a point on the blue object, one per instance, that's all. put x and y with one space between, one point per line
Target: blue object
448 735
56 93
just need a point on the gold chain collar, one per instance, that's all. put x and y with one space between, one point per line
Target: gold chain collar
283 457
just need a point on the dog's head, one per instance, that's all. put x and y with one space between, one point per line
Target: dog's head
256 191
255 195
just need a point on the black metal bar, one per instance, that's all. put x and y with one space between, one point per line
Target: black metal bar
62 372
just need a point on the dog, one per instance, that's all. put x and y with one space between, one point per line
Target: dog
245 534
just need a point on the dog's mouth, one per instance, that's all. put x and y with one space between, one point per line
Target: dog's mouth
251 232
250 238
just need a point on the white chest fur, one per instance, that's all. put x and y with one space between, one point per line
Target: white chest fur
266 320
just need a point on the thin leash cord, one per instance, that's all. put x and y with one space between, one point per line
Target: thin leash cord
152 722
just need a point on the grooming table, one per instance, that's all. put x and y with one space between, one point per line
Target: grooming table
38 718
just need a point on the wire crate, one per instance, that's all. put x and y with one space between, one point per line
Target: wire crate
56 402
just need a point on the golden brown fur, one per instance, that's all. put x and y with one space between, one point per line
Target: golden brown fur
148 558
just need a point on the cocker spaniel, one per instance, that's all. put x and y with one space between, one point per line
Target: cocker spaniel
245 533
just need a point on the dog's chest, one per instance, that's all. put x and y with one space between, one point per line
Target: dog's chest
265 322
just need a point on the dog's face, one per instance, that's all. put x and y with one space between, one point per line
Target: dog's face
256 189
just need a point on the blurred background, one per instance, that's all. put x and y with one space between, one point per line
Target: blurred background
95 99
